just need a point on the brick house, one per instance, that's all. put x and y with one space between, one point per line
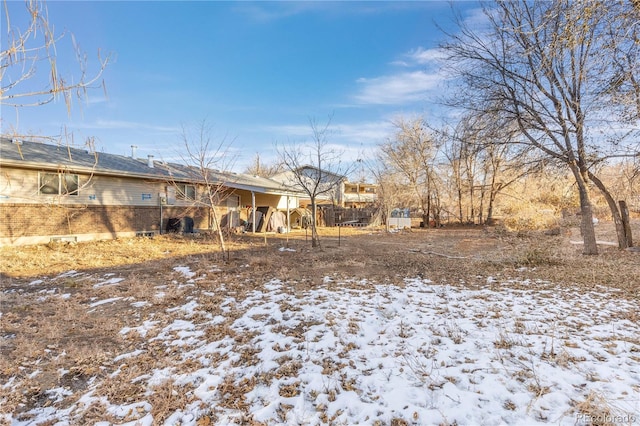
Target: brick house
52 192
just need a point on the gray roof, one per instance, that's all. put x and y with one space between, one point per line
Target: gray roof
44 156
310 172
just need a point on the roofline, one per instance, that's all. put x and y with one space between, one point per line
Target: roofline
77 169
30 165
309 166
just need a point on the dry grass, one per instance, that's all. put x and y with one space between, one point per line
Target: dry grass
596 410
49 340
54 258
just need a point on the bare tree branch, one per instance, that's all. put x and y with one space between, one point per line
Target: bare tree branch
542 66
29 69
316 168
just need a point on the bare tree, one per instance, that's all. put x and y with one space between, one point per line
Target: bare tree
453 151
623 33
205 160
316 168
543 66
29 71
412 153
485 161
29 77
267 170
390 189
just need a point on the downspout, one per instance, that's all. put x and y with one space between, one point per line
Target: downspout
161 203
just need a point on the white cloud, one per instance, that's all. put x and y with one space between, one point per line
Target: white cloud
477 18
421 56
365 133
398 88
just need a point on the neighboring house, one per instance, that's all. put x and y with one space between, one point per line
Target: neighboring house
58 192
359 194
335 189
328 191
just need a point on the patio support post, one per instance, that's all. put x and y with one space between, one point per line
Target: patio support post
288 215
253 209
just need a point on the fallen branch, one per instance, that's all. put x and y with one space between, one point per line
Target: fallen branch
603 243
438 254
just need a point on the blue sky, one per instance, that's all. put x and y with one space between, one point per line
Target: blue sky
257 72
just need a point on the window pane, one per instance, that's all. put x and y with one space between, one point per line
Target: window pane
190 192
49 183
186 192
182 192
70 184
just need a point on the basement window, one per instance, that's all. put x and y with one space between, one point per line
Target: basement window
58 184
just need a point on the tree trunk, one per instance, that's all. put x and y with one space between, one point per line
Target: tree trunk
624 212
315 241
472 195
428 218
586 226
216 223
615 213
481 206
460 213
492 198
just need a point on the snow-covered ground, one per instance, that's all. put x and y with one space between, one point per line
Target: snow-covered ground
513 352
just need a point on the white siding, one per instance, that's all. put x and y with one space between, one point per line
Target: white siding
21 187
107 190
18 186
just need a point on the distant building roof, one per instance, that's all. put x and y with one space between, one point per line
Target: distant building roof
310 172
44 156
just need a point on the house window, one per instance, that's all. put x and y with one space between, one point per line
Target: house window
58 184
186 192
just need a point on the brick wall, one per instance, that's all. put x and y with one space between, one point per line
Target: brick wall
200 215
26 220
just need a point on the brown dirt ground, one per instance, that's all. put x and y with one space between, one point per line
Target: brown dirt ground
35 330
